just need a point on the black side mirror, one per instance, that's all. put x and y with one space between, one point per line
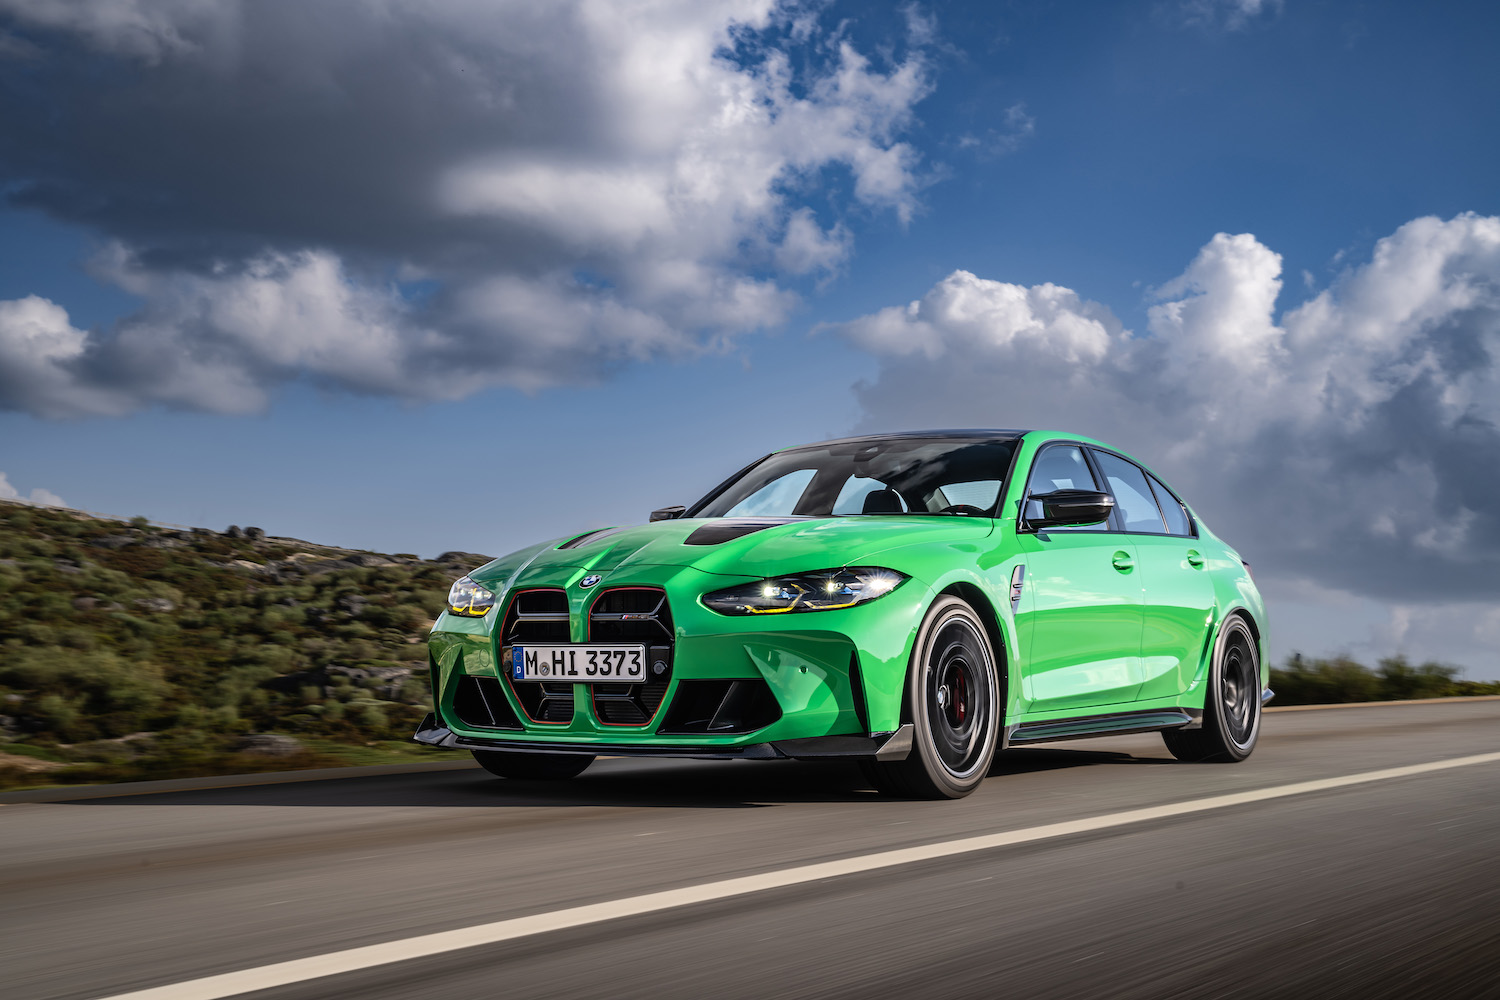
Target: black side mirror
668 513
1067 508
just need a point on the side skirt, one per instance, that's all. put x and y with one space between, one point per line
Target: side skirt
1113 724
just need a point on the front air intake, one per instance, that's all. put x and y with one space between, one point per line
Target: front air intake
722 707
479 703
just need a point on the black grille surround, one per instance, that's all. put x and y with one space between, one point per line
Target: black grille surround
539 615
633 614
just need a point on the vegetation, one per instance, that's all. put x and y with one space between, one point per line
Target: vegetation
133 651
1301 681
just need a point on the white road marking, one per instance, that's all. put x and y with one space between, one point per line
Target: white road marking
425 945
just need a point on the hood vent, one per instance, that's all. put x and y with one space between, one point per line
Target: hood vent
727 529
590 536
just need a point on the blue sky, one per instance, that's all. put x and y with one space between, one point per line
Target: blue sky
478 275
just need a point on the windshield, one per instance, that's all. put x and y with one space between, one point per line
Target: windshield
894 476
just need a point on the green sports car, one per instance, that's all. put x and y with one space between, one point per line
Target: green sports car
916 601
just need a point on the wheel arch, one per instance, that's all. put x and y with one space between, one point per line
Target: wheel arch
1258 636
1248 616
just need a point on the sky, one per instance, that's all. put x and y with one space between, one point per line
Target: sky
469 274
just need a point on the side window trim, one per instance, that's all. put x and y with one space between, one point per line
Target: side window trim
1115 524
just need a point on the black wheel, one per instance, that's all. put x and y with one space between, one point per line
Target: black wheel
1231 707
532 766
953 702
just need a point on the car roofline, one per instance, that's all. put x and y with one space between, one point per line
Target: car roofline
952 434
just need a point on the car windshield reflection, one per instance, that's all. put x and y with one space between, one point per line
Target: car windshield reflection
870 476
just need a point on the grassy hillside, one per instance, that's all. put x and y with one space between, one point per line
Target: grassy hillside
131 651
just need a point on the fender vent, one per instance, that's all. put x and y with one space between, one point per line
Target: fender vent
722 707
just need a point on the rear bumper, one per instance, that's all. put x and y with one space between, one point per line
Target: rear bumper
877 746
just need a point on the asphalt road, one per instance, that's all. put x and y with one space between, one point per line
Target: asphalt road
1389 888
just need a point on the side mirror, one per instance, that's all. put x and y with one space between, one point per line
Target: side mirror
668 513
1068 508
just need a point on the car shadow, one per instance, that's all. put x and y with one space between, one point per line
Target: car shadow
676 784
1024 760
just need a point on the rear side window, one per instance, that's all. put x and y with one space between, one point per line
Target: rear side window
1178 522
1134 504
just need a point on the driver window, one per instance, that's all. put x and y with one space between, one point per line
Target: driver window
777 498
1060 467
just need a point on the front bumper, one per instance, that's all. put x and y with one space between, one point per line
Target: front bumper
829 674
878 746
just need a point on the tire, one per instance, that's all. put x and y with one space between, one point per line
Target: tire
532 766
1231 706
953 701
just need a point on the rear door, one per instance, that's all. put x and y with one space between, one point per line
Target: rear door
1179 595
1079 619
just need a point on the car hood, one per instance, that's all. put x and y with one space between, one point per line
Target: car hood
741 547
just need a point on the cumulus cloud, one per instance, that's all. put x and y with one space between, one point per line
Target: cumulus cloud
37 495
424 200
1352 441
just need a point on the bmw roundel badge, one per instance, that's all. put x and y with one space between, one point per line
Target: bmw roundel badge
589 580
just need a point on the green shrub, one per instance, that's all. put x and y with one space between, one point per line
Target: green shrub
1302 681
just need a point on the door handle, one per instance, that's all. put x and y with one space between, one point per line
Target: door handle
1123 562
1194 559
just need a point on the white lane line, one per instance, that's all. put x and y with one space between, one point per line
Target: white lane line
353 959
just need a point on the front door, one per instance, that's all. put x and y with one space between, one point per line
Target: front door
1080 615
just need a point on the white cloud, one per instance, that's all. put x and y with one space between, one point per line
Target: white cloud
1352 440
1017 127
1232 15
38 495
575 184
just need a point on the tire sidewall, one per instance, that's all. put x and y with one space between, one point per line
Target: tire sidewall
944 611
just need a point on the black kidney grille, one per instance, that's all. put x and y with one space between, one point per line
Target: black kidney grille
545 701
539 616
633 614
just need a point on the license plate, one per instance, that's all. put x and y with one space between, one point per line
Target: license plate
581 664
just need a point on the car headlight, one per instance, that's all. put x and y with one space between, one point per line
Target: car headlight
469 599
820 590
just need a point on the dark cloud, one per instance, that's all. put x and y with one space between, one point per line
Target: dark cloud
422 200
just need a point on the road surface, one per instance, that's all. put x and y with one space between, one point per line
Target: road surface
1387 887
